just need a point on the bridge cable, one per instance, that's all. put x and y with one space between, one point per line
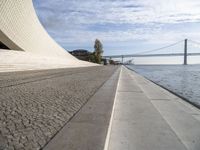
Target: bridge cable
144 52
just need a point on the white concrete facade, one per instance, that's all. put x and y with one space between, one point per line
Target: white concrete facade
21 30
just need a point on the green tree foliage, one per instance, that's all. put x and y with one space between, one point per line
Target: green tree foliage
92 58
98 51
96 56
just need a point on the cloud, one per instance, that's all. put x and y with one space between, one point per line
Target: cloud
79 22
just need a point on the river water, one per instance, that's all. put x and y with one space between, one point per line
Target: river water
180 79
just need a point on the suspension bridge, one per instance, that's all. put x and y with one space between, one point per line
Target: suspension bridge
151 53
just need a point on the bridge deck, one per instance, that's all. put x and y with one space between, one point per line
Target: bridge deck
152 55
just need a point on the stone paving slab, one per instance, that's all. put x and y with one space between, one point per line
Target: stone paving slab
186 127
35 105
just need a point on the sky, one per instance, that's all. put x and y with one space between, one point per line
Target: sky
123 26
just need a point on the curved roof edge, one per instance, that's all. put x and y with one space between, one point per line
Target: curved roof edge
20 29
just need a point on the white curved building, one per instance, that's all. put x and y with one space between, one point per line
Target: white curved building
21 30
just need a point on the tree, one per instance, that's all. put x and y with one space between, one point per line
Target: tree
92 58
98 47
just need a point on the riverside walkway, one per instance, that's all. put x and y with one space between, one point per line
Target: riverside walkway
147 117
143 116
94 108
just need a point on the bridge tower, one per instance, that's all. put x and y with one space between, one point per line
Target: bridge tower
122 59
185 52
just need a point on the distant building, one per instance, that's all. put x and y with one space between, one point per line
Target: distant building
81 54
114 62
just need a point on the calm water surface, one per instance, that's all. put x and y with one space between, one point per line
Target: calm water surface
183 80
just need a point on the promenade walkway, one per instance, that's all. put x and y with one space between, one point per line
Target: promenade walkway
131 113
94 108
147 117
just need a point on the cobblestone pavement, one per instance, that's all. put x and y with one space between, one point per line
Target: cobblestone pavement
35 105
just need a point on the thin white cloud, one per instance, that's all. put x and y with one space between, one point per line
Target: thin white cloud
71 21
